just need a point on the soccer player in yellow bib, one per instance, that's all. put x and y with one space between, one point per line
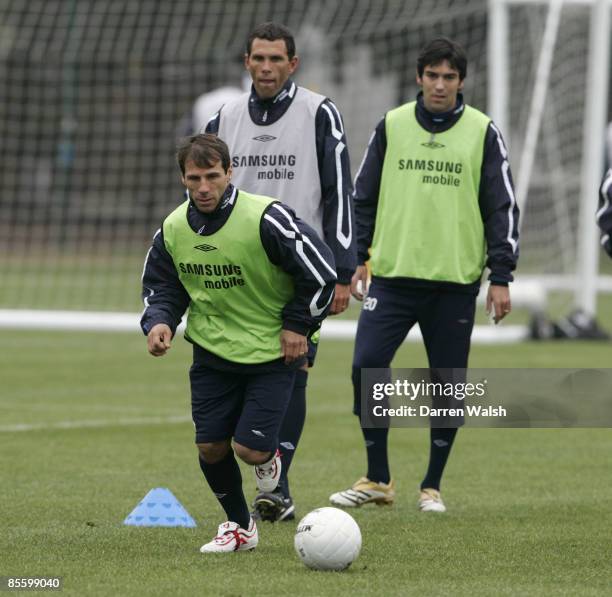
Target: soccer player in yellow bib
434 200
257 282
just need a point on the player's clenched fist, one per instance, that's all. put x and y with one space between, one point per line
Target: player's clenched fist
341 299
359 282
158 339
293 345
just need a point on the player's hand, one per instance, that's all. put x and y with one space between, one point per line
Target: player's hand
293 346
498 302
359 282
158 339
341 299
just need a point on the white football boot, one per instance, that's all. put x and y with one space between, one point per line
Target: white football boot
232 537
267 474
430 500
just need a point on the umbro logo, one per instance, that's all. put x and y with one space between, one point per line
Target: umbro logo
264 138
205 247
433 145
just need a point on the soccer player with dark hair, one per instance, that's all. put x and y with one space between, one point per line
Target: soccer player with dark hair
289 142
434 202
257 281
604 212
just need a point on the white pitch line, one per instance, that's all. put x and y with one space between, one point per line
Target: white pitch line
17 427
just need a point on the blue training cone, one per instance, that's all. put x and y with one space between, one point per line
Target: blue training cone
159 508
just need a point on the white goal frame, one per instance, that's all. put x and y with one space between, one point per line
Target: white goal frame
584 282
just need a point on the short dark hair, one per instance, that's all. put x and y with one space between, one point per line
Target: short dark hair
204 150
271 32
440 49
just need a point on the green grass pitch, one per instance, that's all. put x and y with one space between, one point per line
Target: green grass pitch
529 510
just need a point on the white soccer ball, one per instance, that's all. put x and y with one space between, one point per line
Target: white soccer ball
328 539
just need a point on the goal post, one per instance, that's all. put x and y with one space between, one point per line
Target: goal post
593 153
559 166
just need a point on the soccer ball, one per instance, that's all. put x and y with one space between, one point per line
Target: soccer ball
328 539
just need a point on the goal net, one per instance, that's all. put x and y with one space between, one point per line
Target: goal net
95 95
